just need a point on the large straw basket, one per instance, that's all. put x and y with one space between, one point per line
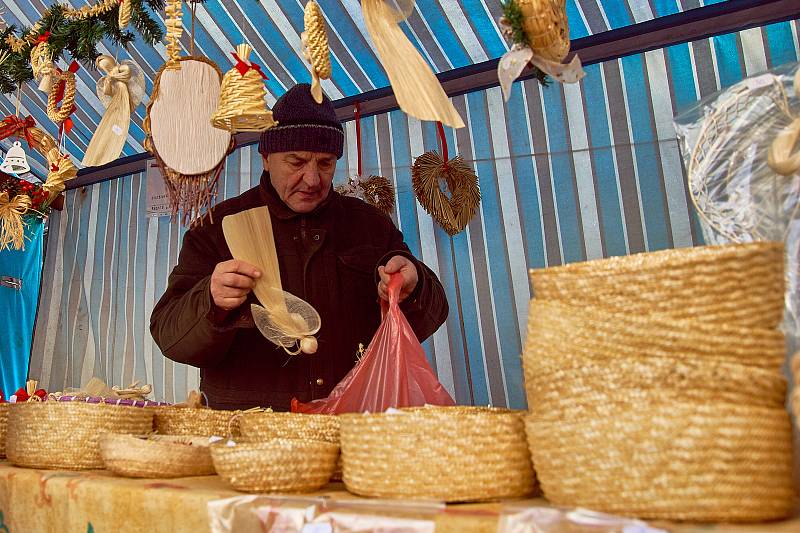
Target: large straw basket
195 421
65 435
444 453
738 284
3 421
277 465
260 426
161 456
669 460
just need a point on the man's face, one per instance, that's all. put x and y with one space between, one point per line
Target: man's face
302 179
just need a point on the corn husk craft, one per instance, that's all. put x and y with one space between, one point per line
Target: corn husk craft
241 102
539 30
428 171
189 151
120 90
284 319
415 86
13 207
315 48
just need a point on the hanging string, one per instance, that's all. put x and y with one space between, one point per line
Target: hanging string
443 141
19 98
194 6
358 136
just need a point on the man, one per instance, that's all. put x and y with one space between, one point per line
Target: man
335 252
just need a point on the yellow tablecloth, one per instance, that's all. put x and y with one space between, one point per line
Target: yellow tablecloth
33 501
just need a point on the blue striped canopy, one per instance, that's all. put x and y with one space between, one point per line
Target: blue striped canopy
449 33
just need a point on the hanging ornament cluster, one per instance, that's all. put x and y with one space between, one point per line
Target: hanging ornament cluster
19 199
428 173
539 30
415 86
73 33
120 90
315 47
375 190
241 102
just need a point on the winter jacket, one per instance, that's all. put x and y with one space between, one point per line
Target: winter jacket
329 258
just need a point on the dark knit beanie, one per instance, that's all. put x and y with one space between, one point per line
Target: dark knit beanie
303 125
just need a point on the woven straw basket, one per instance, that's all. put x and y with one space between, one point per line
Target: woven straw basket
195 421
739 284
669 460
444 453
261 426
277 465
161 456
65 435
4 407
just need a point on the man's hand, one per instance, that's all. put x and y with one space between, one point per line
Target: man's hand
231 282
406 268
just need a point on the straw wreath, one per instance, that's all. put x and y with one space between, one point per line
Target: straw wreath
444 453
276 465
156 456
454 213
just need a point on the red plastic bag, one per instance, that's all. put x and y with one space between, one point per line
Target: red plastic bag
394 371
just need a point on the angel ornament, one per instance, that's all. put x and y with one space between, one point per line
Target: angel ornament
120 90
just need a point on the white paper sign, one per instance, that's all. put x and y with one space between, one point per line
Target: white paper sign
157 199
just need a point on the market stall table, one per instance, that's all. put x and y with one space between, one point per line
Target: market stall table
97 501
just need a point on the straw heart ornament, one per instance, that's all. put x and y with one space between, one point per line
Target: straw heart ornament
429 169
539 30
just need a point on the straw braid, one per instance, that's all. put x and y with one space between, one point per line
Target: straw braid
60 114
174 14
85 12
125 10
317 43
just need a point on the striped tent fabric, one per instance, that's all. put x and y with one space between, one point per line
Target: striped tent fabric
567 173
450 34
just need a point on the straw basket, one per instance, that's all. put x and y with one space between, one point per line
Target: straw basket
65 435
738 284
195 421
546 27
443 453
161 456
3 421
669 460
277 465
260 426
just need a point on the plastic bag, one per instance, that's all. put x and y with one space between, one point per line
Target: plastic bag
394 371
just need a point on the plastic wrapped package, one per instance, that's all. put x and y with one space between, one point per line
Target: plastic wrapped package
741 149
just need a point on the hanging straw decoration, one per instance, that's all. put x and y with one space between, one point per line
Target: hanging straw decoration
125 11
454 213
416 88
539 30
42 64
12 227
173 13
64 89
315 47
375 190
284 319
241 101
120 90
189 151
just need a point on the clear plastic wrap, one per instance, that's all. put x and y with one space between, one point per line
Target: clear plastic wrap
741 148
